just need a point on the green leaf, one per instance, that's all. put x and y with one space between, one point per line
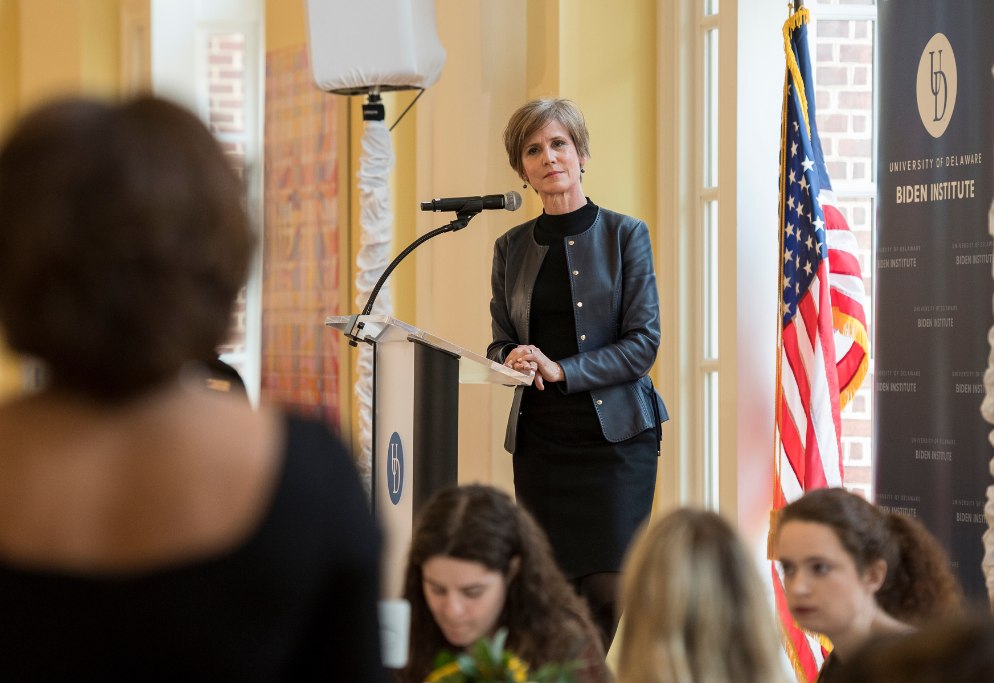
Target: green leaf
442 658
497 645
468 666
489 662
481 652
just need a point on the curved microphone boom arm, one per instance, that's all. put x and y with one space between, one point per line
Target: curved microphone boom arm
465 208
461 220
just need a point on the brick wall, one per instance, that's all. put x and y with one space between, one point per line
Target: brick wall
226 82
226 114
843 65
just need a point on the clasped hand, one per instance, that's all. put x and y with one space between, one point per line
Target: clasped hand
528 357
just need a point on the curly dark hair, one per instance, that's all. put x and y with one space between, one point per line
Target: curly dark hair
123 242
919 586
544 617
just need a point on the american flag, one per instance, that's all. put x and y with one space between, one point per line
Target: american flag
821 311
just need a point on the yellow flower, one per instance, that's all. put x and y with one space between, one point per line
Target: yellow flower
442 671
518 668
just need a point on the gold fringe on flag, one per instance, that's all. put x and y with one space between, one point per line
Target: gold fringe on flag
799 17
791 650
771 538
848 326
824 641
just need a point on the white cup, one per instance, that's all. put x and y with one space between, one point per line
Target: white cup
395 628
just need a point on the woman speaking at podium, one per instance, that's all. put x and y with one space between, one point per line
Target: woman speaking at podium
575 300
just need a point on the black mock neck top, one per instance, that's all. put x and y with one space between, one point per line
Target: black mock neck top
590 495
552 325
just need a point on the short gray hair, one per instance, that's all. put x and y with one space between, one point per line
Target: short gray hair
534 116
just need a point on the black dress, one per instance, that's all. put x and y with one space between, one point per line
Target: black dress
831 671
294 601
590 495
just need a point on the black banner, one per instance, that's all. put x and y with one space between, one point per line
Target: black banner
933 270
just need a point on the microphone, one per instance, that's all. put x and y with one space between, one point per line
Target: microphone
510 201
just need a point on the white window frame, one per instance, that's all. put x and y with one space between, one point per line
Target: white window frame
708 376
689 471
178 36
250 359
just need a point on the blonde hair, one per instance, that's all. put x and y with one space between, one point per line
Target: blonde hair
534 116
694 607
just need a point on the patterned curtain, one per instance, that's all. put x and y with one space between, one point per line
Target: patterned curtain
300 246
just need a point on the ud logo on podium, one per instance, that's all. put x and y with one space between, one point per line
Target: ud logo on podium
395 468
936 85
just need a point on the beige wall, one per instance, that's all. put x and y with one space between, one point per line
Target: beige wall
10 62
285 24
53 48
9 91
68 47
460 153
608 66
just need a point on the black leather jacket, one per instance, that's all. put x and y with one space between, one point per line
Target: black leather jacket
616 313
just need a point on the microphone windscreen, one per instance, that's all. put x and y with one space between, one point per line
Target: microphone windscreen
512 201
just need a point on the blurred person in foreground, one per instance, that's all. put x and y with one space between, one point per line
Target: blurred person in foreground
479 563
960 652
694 607
150 528
853 572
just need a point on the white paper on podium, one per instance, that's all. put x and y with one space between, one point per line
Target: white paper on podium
473 368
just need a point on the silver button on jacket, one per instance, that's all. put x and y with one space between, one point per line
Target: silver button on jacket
619 317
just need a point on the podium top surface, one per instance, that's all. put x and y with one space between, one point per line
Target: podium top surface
473 368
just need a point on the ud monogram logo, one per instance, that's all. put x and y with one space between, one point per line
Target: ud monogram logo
395 468
936 85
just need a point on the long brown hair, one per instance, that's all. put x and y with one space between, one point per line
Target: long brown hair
694 607
919 586
544 617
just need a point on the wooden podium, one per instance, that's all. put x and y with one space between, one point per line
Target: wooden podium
416 378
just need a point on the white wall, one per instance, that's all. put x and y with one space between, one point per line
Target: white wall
760 90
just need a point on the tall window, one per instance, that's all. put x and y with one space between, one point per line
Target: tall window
842 43
708 253
226 85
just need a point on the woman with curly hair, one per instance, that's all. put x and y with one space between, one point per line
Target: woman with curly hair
853 572
479 563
